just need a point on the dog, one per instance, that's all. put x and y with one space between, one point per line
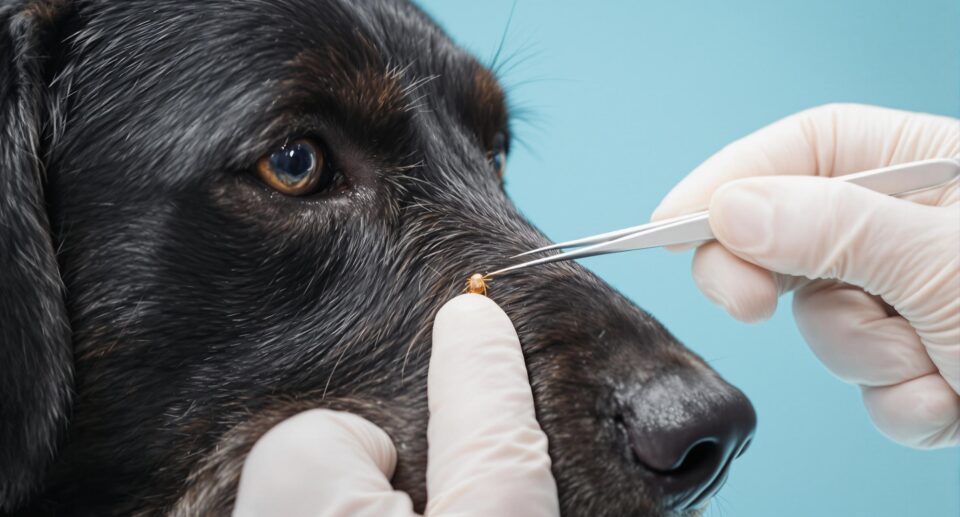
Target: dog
216 215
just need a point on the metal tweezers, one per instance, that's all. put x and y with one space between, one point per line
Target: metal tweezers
897 180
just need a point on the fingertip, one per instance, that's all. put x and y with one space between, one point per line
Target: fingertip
752 311
922 412
684 198
371 438
668 207
297 437
464 304
747 292
321 458
473 342
693 192
722 194
742 217
468 318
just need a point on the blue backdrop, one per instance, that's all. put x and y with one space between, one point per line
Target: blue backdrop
624 98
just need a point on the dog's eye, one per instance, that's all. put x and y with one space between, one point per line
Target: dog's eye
296 169
498 155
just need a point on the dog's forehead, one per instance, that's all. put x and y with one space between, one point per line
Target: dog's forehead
171 29
226 73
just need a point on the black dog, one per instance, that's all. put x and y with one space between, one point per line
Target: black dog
215 215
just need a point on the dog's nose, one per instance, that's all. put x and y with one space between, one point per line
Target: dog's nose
685 430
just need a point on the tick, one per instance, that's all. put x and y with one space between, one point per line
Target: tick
477 284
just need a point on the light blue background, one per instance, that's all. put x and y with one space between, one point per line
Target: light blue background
626 97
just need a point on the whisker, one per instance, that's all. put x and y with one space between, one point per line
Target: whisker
503 37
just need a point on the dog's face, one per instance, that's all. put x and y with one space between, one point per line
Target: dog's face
259 203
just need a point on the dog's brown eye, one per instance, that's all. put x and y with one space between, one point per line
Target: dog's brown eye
498 156
296 169
500 163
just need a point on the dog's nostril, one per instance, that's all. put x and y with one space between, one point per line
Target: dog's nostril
619 421
702 454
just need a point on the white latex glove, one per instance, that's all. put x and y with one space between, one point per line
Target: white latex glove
487 453
877 278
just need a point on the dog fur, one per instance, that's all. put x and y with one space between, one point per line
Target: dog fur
160 308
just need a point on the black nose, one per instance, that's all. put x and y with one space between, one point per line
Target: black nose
685 429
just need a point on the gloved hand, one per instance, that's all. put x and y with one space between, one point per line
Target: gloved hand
877 278
487 454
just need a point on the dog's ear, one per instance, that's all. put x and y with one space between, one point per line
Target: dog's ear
36 359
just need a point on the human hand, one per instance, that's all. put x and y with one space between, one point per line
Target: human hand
487 453
877 279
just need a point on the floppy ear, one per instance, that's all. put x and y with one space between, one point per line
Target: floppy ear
36 359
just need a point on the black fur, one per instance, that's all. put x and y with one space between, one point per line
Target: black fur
205 307
35 354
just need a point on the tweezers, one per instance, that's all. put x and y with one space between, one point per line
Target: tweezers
896 180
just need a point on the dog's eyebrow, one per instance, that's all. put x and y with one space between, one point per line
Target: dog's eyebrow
355 89
486 87
485 105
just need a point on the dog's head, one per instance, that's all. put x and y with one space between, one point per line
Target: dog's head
260 202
